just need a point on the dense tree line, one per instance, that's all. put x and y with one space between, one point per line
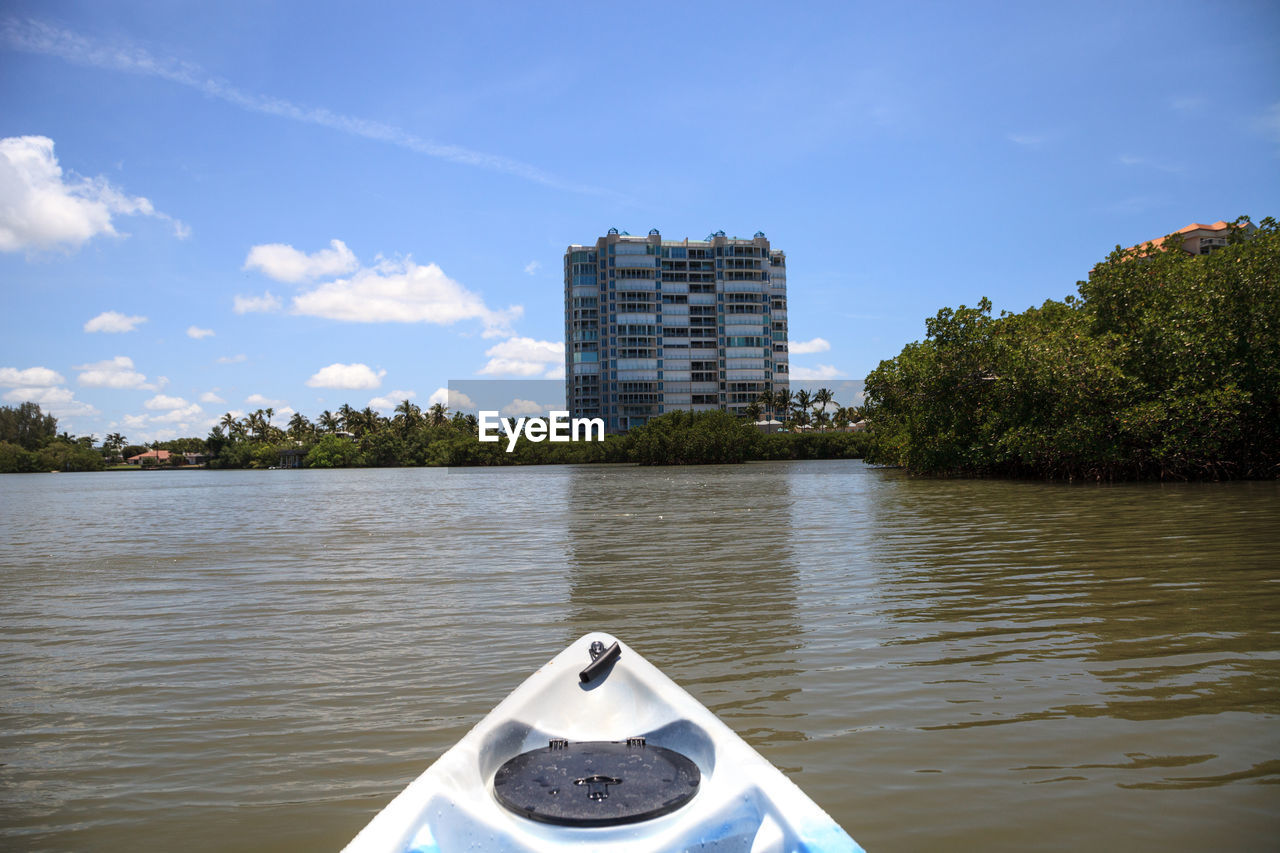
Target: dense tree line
30 441
411 437
1166 365
350 437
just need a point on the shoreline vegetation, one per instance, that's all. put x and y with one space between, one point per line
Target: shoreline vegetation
1165 367
351 438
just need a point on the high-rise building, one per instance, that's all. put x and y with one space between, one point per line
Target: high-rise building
653 325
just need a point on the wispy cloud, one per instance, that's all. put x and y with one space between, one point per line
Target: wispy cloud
1027 139
33 36
822 371
1269 121
1148 163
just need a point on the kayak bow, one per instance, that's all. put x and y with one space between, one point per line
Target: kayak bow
599 750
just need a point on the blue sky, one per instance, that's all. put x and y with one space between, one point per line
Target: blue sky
298 205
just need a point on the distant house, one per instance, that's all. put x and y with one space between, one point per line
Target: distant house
160 456
1197 238
292 457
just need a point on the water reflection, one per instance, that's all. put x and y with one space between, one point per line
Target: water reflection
1161 603
695 569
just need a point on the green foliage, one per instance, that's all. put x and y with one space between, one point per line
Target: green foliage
1167 366
332 451
26 426
15 459
693 438
812 445
62 455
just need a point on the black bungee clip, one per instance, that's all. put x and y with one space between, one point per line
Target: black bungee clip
601 659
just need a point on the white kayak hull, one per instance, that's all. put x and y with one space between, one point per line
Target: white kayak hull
743 802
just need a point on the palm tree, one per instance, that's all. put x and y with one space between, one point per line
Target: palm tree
231 424
821 398
408 417
328 421
766 402
438 414
299 426
803 402
347 415
782 404
754 410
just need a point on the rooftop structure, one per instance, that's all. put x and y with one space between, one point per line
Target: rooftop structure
1197 238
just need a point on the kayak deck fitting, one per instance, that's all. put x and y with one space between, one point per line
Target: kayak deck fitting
598 750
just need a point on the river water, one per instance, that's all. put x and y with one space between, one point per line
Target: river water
260 660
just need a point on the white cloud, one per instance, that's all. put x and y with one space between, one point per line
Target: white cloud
532 267
210 397
31 377
59 402
263 402
556 372
183 415
348 376
117 372
114 322
198 333
807 347
42 209
822 371
511 367
455 400
525 408
523 357
285 263
403 292
264 304
391 399
232 359
163 402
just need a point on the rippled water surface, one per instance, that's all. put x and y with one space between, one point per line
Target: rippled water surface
261 660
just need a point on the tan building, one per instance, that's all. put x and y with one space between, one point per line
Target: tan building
1197 238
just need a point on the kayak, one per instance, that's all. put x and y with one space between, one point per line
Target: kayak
598 750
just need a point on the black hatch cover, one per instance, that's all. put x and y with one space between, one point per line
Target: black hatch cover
596 783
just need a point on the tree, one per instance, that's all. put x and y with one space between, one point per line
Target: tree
782 405
300 427
692 438
26 426
438 414
408 418
821 399
1166 366
803 402
328 422
332 451
112 444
